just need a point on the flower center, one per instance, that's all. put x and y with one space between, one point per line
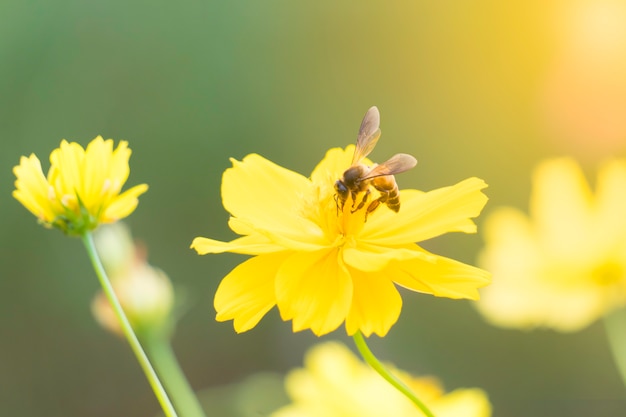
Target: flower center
351 220
345 241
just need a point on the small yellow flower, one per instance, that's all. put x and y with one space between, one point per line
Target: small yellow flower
565 265
335 383
323 266
82 189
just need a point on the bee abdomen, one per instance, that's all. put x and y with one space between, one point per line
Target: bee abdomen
393 201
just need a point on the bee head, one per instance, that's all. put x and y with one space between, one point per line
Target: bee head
342 190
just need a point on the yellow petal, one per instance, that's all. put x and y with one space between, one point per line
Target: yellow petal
246 294
463 402
376 304
369 257
66 170
124 204
443 277
32 188
331 384
314 290
560 204
293 241
331 168
610 221
241 227
425 215
96 171
119 168
267 195
526 301
247 245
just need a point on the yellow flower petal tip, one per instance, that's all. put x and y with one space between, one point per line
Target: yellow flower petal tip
334 382
82 188
563 266
326 256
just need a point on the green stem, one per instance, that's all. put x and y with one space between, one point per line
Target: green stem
164 359
153 379
615 325
369 357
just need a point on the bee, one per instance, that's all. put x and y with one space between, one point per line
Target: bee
358 178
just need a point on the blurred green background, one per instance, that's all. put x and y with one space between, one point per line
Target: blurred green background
471 88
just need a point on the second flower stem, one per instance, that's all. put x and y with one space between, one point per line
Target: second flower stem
166 364
127 329
615 325
373 361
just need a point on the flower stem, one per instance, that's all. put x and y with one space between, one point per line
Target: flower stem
160 350
153 379
369 357
615 325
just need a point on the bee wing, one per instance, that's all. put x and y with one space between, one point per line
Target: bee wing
369 133
396 164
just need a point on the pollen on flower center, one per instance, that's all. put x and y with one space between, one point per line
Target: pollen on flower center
340 223
352 218
344 241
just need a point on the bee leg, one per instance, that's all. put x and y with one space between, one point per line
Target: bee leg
336 198
370 209
362 203
353 194
384 196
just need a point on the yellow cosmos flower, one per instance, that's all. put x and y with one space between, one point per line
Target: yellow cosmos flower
335 383
565 265
82 188
323 266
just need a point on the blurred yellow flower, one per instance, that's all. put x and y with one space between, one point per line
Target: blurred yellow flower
565 266
322 266
335 383
82 188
